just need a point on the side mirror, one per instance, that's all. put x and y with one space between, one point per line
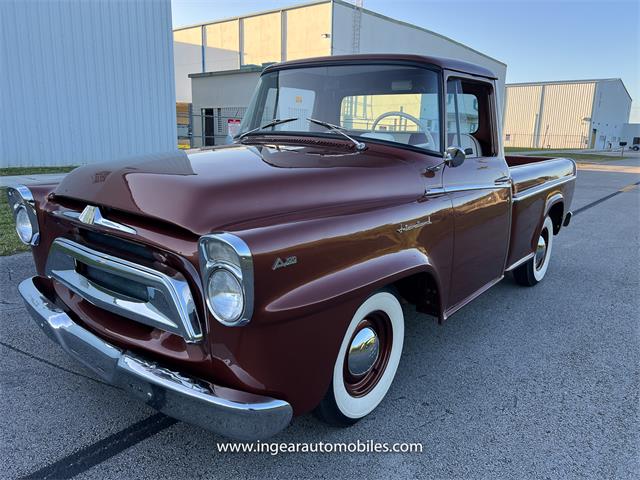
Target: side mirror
454 157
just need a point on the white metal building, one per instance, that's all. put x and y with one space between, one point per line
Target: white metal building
85 81
631 134
566 114
224 58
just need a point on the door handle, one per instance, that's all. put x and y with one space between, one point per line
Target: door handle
504 180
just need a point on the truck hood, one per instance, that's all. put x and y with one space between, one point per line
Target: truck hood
241 186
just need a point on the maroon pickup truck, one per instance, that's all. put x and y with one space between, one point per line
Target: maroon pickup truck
239 286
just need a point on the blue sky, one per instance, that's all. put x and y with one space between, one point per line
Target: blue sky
538 40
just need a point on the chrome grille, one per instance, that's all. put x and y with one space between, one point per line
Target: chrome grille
133 291
114 282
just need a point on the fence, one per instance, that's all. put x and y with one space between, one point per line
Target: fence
206 126
545 141
209 126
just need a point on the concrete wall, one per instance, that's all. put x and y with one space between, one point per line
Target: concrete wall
187 58
311 30
273 36
83 82
222 46
308 32
225 90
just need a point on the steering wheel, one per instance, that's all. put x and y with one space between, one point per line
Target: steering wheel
415 120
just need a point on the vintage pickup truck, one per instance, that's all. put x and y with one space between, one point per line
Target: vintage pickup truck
239 286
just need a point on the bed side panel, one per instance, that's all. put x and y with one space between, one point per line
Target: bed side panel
533 186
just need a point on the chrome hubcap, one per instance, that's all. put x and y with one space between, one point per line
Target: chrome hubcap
363 352
541 252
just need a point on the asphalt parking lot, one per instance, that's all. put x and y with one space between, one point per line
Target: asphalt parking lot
539 382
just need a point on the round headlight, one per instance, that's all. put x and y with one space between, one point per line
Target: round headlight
225 296
24 229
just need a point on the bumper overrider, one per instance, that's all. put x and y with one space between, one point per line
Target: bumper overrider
232 413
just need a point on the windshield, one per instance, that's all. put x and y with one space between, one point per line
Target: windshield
381 103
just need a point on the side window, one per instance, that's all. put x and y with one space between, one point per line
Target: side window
469 117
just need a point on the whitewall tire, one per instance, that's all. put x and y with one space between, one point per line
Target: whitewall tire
534 270
367 361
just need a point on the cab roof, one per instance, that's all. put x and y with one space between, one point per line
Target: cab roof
440 62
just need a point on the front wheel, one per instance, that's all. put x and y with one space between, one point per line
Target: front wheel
534 270
367 361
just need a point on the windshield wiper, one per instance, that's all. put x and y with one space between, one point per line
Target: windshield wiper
272 123
335 128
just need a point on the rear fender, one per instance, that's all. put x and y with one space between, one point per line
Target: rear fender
555 200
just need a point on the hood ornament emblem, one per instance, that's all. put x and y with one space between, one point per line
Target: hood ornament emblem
91 215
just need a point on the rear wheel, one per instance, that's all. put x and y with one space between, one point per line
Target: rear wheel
534 270
367 361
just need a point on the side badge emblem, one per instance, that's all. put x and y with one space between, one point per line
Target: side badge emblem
405 227
287 262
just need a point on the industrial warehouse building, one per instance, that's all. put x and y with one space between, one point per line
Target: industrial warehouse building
217 64
567 114
84 82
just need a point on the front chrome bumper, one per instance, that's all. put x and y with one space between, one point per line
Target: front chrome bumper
232 413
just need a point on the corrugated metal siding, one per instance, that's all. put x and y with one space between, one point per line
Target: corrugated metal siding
564 108
84 82
548 115
521 115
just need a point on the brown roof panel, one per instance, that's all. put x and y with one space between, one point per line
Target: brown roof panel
441 62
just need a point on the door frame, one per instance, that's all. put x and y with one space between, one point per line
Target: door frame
495 153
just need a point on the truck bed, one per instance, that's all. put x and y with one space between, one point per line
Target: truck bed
517 160
530 172
537 184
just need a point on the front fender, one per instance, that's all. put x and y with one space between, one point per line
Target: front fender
358 280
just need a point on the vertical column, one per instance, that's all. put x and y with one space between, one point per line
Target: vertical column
537 129
203 48
283 35
241 42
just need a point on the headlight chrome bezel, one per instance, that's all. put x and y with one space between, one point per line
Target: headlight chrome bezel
20 197
239 264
